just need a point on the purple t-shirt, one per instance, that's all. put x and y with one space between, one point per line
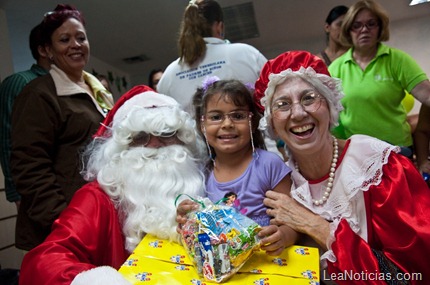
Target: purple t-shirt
263 173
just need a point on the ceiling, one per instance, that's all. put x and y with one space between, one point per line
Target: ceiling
129 28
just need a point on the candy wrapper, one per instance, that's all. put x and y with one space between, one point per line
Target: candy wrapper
219 240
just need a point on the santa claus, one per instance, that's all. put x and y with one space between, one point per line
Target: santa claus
144 155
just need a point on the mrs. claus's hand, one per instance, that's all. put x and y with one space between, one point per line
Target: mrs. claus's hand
286 211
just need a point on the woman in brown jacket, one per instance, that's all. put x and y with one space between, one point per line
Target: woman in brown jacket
53 117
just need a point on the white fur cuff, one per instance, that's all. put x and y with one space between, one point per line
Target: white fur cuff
103 275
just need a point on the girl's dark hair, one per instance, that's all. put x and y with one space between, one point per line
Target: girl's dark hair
151 75
197 23
335 13
54 19
229 90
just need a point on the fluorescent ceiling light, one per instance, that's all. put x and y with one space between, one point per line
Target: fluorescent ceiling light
415 2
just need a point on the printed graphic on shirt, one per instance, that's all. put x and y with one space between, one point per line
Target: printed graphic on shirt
201 71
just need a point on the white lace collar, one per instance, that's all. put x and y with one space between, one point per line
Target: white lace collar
360 168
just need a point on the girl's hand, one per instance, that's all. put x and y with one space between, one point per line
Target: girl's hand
272 240
276 238
182 210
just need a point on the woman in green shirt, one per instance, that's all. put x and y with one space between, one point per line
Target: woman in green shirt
374 78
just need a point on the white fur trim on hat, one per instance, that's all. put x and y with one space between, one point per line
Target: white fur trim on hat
103 275
148 99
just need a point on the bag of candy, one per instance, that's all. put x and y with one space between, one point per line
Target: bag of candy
219 240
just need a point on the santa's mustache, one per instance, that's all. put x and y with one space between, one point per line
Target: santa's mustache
143 160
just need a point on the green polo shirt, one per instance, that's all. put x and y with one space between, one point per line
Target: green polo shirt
372 102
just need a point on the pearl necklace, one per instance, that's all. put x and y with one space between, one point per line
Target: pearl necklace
329 187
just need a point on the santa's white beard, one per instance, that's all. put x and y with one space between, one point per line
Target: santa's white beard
144 182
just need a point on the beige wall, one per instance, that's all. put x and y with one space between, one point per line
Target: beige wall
6 66
10 257
413 37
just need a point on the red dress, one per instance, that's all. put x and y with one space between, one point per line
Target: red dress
398 225
379 202
87 234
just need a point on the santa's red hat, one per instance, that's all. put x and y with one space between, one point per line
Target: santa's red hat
140 95
289 60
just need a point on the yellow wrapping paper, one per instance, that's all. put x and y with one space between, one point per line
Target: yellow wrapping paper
156 261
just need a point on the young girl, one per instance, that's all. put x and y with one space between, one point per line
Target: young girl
228 119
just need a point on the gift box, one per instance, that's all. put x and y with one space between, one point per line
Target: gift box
156 261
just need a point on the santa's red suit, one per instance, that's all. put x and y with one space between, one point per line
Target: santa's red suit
139 175
87 234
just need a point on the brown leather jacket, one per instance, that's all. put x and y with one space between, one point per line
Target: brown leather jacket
48 132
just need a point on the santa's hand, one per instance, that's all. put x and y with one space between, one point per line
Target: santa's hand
182 210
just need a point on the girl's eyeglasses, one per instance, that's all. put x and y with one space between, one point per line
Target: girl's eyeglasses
235 117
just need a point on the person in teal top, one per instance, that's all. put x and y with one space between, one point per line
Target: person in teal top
9 89
374 78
